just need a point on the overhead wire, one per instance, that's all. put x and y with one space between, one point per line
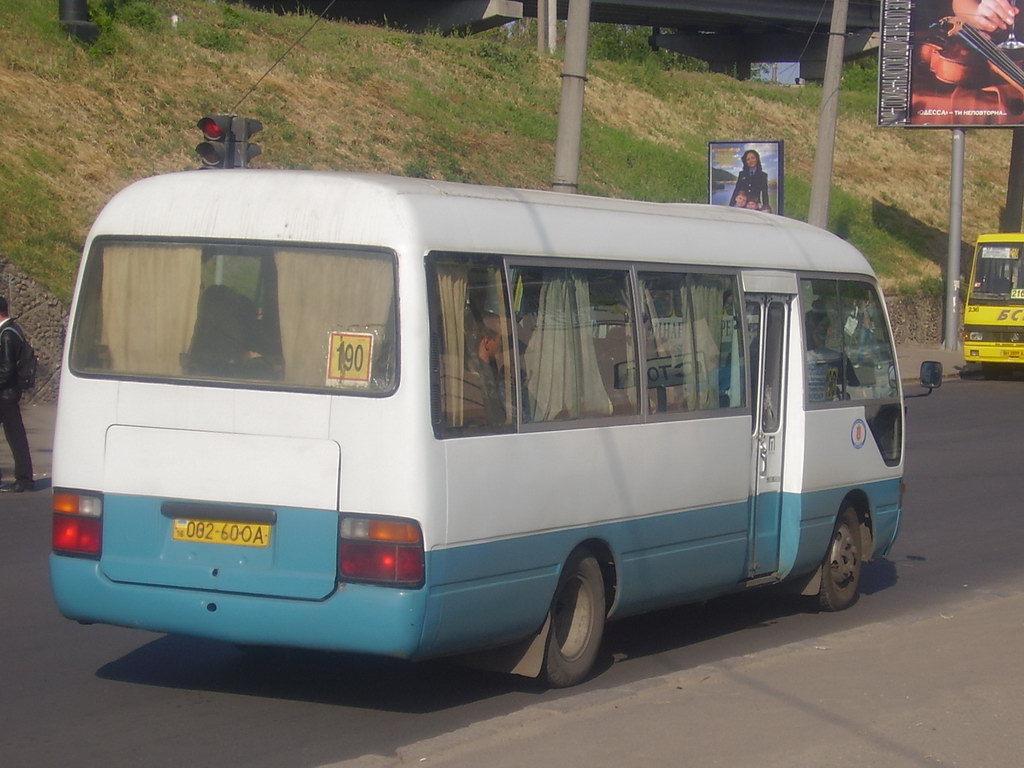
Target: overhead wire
810 35
281 57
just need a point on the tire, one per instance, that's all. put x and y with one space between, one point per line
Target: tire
577 622
991 371
840 570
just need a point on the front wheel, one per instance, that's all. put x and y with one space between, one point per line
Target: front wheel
577 622
991 371
840 571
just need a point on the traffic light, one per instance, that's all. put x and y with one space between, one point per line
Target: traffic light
243 128
217 149
227 142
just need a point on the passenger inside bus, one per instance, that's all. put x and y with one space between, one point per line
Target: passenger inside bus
485 389
224 341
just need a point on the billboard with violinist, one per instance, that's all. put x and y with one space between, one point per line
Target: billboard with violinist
951 63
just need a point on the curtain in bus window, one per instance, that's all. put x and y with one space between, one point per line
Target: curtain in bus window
563 380
671 365
717 374
694 356
150 296
320 293
451 292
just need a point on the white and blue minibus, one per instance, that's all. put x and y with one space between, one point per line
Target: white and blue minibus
419 419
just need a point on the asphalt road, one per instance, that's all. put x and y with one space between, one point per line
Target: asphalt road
104 696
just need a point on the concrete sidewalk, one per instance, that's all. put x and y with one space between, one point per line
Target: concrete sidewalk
937 689
39 418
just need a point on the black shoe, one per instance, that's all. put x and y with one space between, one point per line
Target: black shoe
19 487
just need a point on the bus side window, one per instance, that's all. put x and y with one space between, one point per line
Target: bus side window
849 353
828 369
866 342
475 366
581 331
694 351
671 364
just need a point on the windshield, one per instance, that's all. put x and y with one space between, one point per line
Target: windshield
997 274
265 315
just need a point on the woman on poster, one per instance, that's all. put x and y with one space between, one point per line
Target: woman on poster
751 184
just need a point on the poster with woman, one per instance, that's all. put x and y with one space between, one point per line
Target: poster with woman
746 174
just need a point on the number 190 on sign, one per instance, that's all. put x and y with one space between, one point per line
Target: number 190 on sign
350 358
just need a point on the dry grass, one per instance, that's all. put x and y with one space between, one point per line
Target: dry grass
76 126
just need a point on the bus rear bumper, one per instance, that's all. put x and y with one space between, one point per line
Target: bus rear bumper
357 618
991 353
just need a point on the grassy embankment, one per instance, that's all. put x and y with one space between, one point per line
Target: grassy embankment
79 122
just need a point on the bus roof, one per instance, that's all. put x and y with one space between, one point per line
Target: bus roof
421 215
1002 237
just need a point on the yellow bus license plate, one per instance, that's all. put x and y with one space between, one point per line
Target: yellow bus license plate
222 532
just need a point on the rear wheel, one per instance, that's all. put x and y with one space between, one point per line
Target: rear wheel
840 571
577 622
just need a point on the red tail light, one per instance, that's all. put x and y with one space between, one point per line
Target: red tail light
77 524
382 551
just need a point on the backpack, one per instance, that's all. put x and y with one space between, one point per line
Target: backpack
27 363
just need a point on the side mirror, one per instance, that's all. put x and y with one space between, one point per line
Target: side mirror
931 374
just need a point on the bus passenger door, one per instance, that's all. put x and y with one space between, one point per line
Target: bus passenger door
767 319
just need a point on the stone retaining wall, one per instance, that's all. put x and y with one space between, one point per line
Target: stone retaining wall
916 318
44 320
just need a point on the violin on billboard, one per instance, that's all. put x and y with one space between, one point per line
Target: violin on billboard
951 64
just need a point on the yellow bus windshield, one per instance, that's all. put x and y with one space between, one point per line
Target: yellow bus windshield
998 277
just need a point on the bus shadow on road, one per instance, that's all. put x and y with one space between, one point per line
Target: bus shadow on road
782 615
376 683
365 682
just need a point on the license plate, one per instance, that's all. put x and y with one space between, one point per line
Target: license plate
221 532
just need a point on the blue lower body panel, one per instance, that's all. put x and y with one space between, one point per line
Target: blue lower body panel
809 519
476 596
359 618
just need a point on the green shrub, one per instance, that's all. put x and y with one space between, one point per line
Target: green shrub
861 75
629 44
217 39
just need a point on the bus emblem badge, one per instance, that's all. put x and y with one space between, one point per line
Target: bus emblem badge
858 434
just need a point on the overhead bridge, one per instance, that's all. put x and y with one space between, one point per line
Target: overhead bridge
728 34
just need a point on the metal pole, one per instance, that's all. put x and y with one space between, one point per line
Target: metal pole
1010 221
547 25
570 112
951 338
821 181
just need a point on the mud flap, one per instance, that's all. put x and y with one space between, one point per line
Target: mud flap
525 658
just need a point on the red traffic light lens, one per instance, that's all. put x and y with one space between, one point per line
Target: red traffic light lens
211 129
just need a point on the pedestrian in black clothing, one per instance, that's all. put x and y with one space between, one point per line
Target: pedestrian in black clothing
11 340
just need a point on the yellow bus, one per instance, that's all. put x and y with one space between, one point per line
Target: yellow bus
994 316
